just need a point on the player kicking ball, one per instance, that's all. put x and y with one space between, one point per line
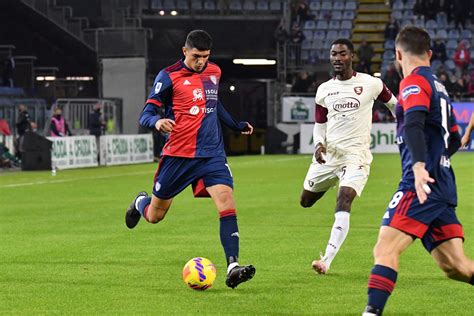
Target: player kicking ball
424 204
194 151
342 138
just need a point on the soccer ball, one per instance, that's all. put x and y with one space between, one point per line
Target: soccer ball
199 273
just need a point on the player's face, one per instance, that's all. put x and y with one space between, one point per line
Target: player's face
341 58
195 59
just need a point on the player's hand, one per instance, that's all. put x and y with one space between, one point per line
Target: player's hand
465 140
422 178
165 125
318 154
248 130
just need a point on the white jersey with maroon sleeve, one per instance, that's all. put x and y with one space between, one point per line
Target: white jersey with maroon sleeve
348 104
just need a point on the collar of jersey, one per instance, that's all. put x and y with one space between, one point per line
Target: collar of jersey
189 69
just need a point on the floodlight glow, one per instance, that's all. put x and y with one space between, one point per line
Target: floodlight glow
254 62
174 12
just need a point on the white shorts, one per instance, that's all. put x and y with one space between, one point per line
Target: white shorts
351 173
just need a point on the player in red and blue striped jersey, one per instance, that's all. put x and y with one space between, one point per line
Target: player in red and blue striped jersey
194 151
424 204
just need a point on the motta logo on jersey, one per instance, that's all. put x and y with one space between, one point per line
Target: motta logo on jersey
197 95
346 104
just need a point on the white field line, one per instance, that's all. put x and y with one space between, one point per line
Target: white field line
235 164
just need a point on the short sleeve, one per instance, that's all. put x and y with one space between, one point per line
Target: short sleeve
415 93
319 98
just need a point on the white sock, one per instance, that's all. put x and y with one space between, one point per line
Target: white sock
137 201
231 266
339 231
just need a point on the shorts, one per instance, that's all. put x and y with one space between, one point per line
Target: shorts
433 221
174 174
351 173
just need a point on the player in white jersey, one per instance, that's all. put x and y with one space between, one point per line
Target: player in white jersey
342 141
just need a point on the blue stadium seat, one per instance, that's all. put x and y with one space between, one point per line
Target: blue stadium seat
334 25
388 55
182 5
450 65
442 34
306 44
389 44
344 34
407 23
397 15
156 4
262 5
336 15
169 5
327 43
419 23
308 34
196 5
442 19
319 35
322 25
309 25
452 44
431 24
450 53
275 6
318 44
235 6
314 6
332 35
348 15
398 5
326 6
408 15
339 5
249 5
435 64
454 34
466 34
346 25
351 5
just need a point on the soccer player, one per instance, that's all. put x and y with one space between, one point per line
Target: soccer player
466 139
342 138
424 204
194 151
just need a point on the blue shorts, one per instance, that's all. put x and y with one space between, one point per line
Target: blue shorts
433 221
174 174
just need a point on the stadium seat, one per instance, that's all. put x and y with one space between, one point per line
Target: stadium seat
314 6
249 5
408 15
332 35
309 25
348 15
389 44
156 4
450 53
182 5
196 5
351 5
344 34
318 44
337 15
334 25
306 44
442 34
452 44
450 65
235 6
431 33
326 6
327 43
454 34
262 6
431 24
442 19
319 35
275 6
388 55
169 5
435 64
209 5
339 5
308 34
397 15
466 34
346 25
419 23
322 25
398 5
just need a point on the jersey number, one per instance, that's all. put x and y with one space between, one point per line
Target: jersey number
445 117
395 200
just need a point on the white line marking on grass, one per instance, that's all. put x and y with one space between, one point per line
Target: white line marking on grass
73 179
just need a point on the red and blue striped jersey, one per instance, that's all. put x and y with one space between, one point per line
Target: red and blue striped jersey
422 91
189 98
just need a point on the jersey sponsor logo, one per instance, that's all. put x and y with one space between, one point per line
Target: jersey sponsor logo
346 105
333 93
413 89
194 110
197 95
158 87
213 79
186 82
211 94
358 90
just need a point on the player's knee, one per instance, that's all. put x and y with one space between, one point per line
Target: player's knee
156 217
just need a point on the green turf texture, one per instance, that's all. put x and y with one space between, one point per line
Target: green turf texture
65 248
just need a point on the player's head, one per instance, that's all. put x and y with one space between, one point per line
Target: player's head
197 49
412 46
341 55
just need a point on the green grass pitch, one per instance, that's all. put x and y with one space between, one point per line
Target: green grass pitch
65 248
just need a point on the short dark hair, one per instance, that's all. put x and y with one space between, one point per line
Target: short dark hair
199 39
344 41
414 40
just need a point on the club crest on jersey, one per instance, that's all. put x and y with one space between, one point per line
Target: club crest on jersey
158 87
358 90
213 79
197 95
413 89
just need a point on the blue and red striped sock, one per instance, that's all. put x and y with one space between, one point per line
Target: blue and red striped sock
143 204
229 233
381 283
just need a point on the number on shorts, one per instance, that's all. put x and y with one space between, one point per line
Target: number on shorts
396 199
229 170
343 171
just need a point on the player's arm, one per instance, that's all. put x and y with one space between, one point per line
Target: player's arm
386 96
416 92
319 133
230 122
467 134
160 94
454 140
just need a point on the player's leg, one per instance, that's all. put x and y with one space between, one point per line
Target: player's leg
451 259
353 178
152 209
308 198
222 196
390 244
318 180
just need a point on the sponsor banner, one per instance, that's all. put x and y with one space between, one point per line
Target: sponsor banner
463 111
126 149
298 109
74 152
383 136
